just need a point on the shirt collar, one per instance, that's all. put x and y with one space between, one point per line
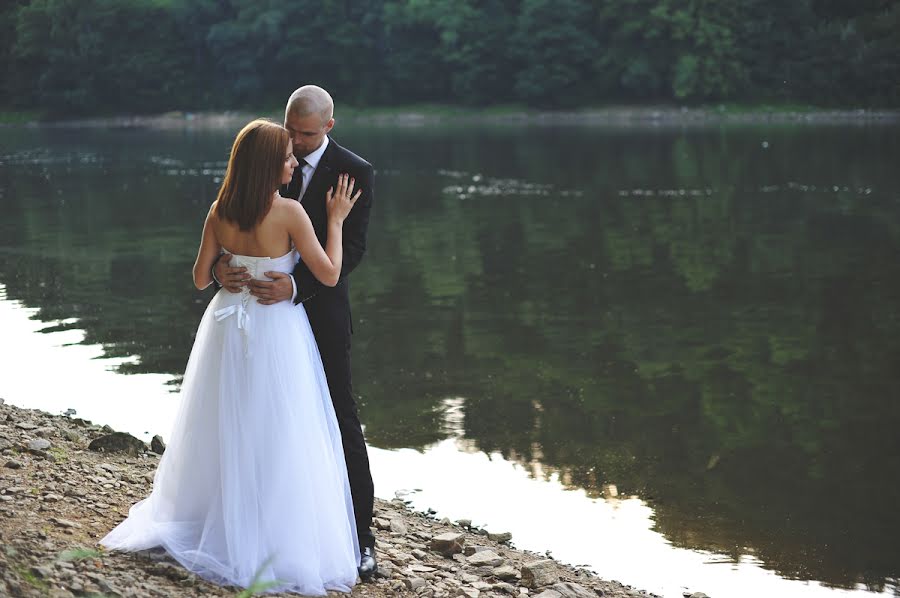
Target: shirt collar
313 158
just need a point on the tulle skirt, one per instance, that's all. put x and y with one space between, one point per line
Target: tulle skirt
253 485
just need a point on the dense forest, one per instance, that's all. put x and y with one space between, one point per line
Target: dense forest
64 57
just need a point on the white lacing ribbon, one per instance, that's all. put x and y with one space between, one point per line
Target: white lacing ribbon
243 320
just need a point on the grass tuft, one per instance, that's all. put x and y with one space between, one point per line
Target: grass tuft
79 553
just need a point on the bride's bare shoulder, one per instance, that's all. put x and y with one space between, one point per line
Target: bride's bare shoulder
285 207
213 215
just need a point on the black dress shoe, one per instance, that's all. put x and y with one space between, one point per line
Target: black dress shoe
368 566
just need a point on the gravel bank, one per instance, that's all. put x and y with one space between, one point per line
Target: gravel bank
58 497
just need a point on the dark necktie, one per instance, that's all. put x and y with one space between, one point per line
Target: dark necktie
296 185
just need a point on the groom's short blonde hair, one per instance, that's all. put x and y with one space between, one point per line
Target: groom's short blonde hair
310 99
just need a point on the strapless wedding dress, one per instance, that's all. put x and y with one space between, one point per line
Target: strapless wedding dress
253 484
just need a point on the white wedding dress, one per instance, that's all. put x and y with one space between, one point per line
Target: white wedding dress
253 483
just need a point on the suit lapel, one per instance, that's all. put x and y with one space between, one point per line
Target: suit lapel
317 187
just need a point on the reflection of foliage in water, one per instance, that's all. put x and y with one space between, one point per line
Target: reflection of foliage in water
729 353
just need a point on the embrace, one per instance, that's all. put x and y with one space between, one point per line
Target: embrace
266 476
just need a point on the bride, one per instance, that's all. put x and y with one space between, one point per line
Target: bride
253 485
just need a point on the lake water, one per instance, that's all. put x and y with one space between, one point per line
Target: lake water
671 356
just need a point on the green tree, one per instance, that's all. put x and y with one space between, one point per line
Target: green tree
92 55
555 50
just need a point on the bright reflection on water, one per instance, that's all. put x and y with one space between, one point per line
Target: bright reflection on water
671 356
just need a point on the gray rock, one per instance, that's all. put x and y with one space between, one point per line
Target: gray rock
65 523
448 544
26 426
485 558
549 594
398 526
157 445
539 573
385 569
567 589
382 523
468 592
76 585
118 442
506 573
101 467
699 595
42 571
501 537
467 523
414 583
38 444
13 464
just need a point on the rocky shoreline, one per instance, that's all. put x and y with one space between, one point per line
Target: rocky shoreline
65 482
616 116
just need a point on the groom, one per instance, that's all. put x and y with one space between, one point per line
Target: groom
308 117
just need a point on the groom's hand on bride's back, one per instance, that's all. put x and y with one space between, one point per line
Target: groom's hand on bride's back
233 279
267 292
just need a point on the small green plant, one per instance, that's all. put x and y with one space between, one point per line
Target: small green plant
31 579
58 453
79 553
256 586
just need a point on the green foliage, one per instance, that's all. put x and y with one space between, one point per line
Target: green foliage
555 48
100 56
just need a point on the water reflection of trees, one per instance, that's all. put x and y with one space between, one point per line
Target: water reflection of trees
732 356
730 353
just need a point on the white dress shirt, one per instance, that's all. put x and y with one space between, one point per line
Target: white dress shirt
312 161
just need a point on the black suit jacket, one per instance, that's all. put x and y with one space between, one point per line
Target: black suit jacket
328 308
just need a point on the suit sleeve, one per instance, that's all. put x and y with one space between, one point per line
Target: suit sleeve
355 233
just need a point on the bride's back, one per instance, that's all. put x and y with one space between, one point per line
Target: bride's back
269 238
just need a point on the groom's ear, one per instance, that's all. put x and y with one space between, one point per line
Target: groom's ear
329 125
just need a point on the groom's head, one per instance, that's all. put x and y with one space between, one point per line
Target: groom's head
308 117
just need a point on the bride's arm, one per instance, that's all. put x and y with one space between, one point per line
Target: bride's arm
325 264
207 254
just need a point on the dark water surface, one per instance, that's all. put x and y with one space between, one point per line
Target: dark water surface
706 319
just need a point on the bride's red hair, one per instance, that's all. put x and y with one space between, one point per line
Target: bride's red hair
254 173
